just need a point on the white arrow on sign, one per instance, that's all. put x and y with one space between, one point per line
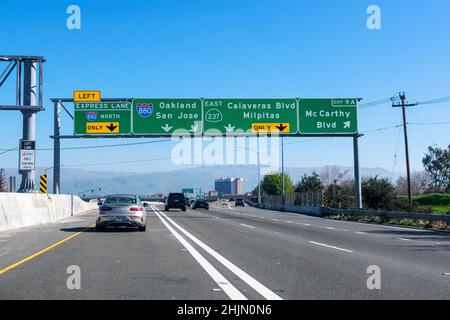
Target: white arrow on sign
194 128
347 124
166 128
229 128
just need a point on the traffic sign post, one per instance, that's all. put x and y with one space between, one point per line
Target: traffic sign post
328 116
27 155
102 118
250 116
167 116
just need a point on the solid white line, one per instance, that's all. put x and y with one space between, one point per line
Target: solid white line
332 247
246 225
252 282
227 287
404 239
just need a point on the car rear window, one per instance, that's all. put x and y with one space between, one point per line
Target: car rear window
121 200
176 196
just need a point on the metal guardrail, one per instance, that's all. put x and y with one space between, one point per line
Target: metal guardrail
387 214
325 211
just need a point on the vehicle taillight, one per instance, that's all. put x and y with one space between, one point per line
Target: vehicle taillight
105 208
136 209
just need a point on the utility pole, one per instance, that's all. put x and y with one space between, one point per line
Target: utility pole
403 105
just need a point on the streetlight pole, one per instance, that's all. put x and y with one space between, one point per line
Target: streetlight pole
259 173
259 178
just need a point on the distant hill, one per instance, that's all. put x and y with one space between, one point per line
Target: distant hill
77 180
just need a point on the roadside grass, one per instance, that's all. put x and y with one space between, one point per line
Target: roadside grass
430 203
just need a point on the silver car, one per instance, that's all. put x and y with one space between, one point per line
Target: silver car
121 210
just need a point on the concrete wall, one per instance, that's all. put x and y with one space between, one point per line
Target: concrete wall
21 210
313 211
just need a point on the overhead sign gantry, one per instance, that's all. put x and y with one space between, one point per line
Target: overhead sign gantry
197 117
215 117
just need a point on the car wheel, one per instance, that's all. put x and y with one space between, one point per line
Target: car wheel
166 209
183 209
142 229
99 228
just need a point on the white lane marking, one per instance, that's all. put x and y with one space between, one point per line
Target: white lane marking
404 239
289 221
330 228
332 247
223 283
306 224
274 219
252 282
247 226
360 232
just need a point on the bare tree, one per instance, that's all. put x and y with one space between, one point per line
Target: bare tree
420 182
331 175
3 181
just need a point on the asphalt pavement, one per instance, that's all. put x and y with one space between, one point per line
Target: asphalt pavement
226 252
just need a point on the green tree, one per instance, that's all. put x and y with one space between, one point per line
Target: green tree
341 194
437 165
378 193
272 184
309 183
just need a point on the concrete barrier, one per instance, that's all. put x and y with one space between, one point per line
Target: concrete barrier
22 210
312 211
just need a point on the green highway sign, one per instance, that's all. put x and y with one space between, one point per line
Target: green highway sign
93 118
328 116
249 116
213 117
167 116
187 190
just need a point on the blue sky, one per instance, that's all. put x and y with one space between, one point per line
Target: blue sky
212 48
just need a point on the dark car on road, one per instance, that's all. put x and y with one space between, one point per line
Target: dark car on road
175 201
239 203
200 204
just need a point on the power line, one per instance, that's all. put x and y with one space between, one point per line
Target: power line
382 129
428 123
375 103
95 147
435 101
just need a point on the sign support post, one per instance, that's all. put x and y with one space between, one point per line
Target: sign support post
56 147
358 198
28 183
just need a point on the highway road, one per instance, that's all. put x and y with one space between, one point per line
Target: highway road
224 253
